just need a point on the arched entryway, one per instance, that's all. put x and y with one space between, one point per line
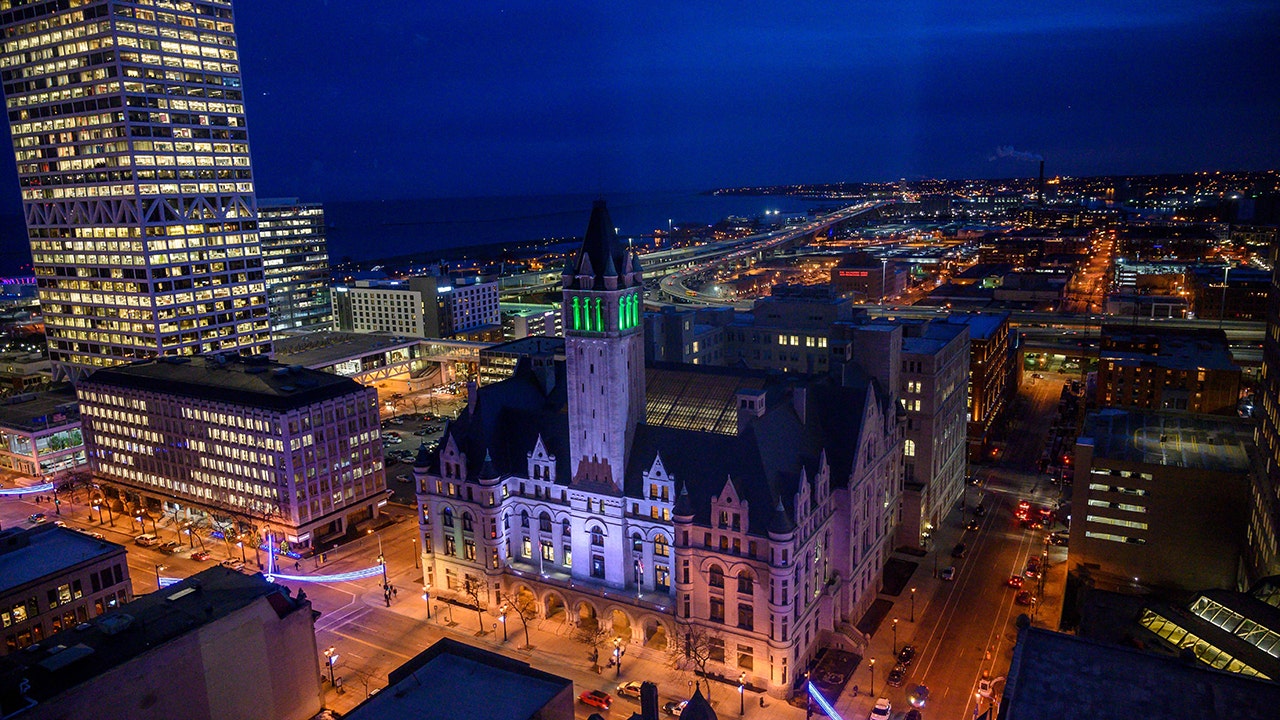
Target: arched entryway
587 616
621 624
655 634
555 608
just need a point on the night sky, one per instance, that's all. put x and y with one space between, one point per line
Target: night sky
361 99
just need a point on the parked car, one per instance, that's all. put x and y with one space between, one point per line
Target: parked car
1033 567
896 675
36 518
404 477
629 689
1023 598
147 540
420 433
170 547
948 573
674 707
1059 538
200 555
882 710
959 551
396 420
979 510
233 564
596 698
1014 581
906 655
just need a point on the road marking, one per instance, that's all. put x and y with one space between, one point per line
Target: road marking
352 638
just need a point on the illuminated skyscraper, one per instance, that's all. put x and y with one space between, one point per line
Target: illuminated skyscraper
296 260
129 132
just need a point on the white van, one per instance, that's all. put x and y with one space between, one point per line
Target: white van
147 540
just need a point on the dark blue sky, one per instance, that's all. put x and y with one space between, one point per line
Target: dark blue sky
362 98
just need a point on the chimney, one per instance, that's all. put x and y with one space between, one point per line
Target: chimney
1040 185
648 701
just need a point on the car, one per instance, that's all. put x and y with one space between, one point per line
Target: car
420 433
232 564
596 698
36 518
147 540
59 523
1014 581
1059 538
959 551
170 547
972 525
396 420
979 510
972 479
674 707
896 675
1024 506
948 573
1033 567
630 689
201 555
1023 598
882 709
906 655
404 478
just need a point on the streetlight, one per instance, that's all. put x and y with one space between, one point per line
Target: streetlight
503 618
895 636
426 597
742 702
331 657
913 604
618 652
158 569
243 558
415 551
872 664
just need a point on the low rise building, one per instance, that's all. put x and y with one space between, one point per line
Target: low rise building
1242 289
1143 481
1173 369
53 578
242 445
220 645
445 681
521 320
425 307
40 433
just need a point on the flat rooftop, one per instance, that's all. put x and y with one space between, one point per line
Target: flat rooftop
453 681
79 654
1205 442
27 555
981 325
317 350
1055 676
33 412
251 382
531 345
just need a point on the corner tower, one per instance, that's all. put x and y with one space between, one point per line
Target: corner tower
604 353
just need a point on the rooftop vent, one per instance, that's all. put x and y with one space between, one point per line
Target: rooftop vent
115 624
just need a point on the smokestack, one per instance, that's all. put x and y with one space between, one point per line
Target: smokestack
1040 186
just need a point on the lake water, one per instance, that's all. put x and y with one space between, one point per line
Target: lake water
390 228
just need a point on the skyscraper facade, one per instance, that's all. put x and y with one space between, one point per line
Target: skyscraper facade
128 128
295 259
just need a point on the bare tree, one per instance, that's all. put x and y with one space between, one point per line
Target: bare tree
524 606
692 648
593 636
472 587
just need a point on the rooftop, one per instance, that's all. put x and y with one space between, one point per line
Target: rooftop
981 325
317 350
1055 676
1205 442
27 555
251 382
531 345
79 654
427 688
32 412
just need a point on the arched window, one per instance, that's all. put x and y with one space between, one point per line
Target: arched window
446 517
544 522
716 575
909 448
660 545
637 544
506 522
597 537
746 582
566 529
524 518
466 521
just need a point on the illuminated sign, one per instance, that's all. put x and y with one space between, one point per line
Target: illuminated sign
852 273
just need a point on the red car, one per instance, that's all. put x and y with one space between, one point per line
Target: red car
598 698
1014 581
1023 598
200 555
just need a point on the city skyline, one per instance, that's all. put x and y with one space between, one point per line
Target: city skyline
677 98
